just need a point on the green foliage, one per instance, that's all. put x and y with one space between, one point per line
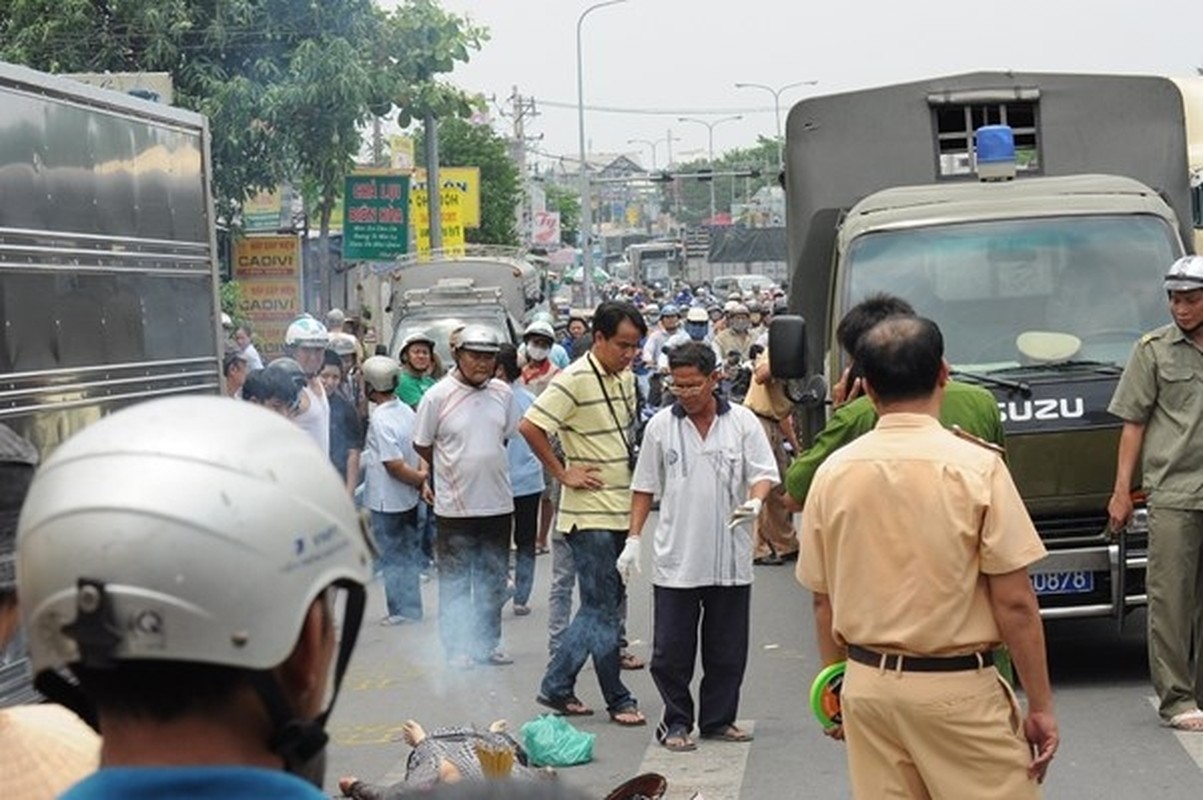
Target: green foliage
568 203
463 144
695 194
231 298
424 41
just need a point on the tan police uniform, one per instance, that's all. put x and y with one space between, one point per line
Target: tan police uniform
902 527
773 533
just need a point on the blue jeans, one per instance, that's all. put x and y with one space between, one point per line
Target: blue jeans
401 561
594 631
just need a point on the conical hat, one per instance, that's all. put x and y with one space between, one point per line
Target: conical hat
1048 347
45 750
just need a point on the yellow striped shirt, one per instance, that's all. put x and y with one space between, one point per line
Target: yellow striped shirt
574 407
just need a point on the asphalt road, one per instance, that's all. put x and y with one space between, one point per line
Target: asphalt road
1112 744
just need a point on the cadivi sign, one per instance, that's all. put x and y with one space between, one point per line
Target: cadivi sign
268 269
376 220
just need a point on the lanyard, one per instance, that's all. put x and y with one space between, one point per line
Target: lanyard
613 414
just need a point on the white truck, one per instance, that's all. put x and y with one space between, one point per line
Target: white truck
108 273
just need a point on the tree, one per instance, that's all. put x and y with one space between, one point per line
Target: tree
568 203
695 193
463 144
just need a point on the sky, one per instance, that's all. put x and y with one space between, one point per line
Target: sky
684 57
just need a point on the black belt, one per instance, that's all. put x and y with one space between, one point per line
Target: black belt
920 663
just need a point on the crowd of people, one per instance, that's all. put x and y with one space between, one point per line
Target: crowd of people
202 616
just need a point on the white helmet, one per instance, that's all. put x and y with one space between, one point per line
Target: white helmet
305 331
417 337
381 373
479 339
1185 275
203 542
539 328
195 530
344 344
226 322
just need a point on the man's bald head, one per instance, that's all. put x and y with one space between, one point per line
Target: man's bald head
902 358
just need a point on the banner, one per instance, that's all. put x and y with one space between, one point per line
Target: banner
450 210
261 212
467 181
375 222
401 148
546 228
268 270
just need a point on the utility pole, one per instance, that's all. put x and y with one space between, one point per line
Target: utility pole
521 108
433 185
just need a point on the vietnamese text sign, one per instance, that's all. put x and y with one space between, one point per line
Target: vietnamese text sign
375 220
467 181
450 210
268 269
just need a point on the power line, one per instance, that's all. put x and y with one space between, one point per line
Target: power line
659 111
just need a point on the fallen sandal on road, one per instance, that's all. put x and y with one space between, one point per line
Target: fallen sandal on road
1190 721
729 734
566 707
629 717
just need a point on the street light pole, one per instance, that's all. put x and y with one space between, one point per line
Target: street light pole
586 200
650 144
710 126
776 110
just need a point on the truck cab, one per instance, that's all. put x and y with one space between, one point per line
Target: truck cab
1041 283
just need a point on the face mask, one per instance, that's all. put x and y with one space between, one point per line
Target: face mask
537 352
739 325
697 330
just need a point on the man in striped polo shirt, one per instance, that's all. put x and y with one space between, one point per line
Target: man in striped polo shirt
591 405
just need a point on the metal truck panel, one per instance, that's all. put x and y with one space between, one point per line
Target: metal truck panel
842 148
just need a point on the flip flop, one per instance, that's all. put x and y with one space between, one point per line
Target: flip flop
729 734
1189 721
566 707
679 742
629 717
628 660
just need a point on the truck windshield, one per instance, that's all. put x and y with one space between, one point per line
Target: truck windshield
1083 288
654 269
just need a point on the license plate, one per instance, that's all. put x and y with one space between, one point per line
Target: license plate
1076 582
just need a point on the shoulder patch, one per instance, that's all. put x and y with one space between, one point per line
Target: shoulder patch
1148 337
961 433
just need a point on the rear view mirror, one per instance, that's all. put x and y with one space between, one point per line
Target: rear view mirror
787 347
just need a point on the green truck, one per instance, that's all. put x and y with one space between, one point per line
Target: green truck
1041 283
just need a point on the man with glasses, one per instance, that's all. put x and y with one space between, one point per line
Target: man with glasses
591 404
712 465
462 426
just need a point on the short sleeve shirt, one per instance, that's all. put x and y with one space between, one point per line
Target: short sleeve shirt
901 529
196 783
468 428
526 471
701 481
1162 388
593 433
971 408
768 399
390 438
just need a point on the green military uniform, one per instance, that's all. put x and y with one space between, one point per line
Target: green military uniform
1162 389
971 408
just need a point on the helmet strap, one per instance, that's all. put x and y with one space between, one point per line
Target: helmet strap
299 742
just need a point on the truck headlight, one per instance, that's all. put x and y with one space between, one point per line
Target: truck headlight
1140 521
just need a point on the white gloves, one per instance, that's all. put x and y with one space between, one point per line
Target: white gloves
628 559
748 511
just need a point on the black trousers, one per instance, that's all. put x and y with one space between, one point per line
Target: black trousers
723 614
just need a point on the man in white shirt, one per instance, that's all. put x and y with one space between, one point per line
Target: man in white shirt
394 478
462 426
712 465
305 341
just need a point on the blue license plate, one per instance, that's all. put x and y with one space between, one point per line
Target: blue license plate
1075 582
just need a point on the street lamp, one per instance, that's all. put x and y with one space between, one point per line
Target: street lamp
777 111
668 140
586 200
710 126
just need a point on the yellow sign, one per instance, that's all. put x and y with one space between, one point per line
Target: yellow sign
466 180
268 268
450 208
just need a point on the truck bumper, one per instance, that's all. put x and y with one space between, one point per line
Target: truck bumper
1116 582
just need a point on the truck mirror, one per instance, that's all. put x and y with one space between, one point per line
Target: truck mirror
787 347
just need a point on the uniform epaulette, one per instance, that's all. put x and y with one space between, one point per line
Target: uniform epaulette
961 433
1148 337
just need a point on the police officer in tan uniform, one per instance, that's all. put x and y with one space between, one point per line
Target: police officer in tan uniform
915 544
773 533
1160 399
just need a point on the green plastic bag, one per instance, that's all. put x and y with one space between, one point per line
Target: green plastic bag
551 741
